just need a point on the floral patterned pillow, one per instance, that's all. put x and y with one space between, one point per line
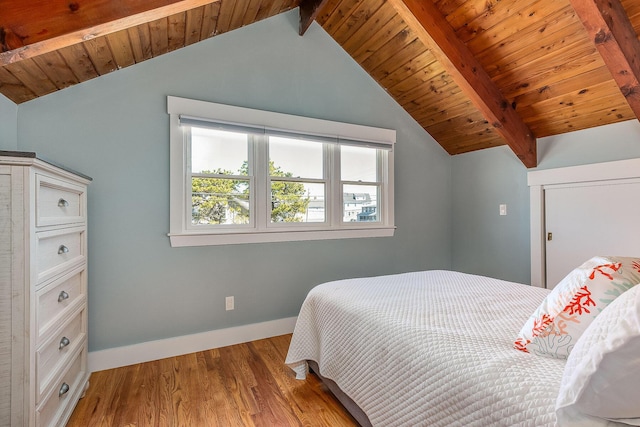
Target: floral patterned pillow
560 320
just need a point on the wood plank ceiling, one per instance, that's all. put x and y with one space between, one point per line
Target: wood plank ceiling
474 73
51 45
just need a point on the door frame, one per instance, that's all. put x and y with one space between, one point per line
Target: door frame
620 170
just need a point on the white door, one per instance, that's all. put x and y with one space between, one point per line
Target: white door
585 220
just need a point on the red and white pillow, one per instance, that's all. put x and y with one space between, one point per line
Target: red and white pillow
554 328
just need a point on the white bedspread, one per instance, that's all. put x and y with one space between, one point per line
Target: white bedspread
430 348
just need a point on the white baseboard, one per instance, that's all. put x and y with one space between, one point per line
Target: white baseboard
170 347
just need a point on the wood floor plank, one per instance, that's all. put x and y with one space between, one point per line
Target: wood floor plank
244 385
274 409
312 409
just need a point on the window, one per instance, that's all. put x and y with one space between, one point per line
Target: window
241 176
220 182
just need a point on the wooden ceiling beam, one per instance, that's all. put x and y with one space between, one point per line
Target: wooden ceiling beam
309 11
424 18
29 28
609 27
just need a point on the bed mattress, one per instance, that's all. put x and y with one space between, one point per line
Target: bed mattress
432 348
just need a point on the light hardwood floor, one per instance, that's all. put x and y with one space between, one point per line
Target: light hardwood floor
241 385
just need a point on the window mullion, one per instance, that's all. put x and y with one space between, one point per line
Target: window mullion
382 200
261 182
361 182
188 189
386 189
219 176
296 179
335 198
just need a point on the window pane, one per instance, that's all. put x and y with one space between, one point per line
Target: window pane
219 201
294 157
297 202
216 151
360 203
358 163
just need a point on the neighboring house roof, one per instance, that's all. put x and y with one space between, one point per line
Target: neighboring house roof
357 198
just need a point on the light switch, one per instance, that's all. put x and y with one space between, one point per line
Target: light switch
503 209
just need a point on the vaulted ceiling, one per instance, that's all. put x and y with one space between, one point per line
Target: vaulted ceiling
474 73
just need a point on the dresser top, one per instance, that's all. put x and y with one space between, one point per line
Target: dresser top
32 155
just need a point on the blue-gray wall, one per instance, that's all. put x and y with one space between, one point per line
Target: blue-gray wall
499 246
483 241
8 124
116 130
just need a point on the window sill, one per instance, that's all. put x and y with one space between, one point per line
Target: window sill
201 239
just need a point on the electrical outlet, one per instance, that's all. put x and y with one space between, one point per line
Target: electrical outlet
503 209
228 303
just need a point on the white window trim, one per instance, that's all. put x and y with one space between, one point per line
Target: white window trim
180 234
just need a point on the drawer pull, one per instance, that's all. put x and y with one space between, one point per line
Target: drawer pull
63 250
63 296
63 389
64 342
62 203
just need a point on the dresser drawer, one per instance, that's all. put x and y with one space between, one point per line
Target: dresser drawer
57 251
58 202
57 300
61 400
56 352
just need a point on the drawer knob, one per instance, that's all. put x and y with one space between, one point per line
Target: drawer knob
64 388
64 342
63 296
62 203
63 250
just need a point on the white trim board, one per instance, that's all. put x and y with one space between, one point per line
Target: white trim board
176 346
270 119
621 169
537 180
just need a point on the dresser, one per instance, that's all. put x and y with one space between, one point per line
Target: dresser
43 291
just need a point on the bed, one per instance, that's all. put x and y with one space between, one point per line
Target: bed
429 348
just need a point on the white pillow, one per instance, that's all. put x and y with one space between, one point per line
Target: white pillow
602 376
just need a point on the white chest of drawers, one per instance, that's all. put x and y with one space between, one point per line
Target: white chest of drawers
43 291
